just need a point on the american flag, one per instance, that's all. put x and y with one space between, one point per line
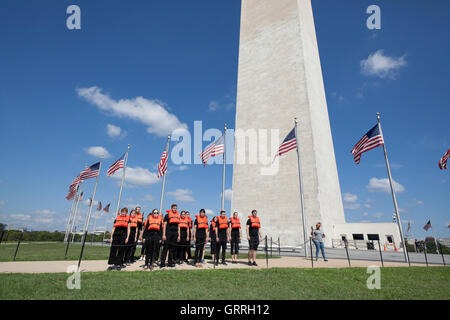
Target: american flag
99 207
106 209
409 226
90 172
162 165
116 165
443 161
214 149
73 188
428 225
371 139
289 143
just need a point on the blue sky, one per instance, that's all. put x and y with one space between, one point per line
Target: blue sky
175 62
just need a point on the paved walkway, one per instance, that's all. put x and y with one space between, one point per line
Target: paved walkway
101 265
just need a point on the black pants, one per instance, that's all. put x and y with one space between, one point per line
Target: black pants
221 246
131 246
188 248
200 239
170 247
117 252
151 247
235 241
182 245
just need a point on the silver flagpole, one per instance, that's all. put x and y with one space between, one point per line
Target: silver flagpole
394 199
75 216
434 236
121 184
224 164
88 218
164 177
70 215
301 187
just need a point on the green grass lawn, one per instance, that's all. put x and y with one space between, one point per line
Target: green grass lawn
48 251
350 283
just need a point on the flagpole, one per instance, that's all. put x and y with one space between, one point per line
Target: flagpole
301 186
164 177
434 237
394 198
70 215
224 164
88 218
75 214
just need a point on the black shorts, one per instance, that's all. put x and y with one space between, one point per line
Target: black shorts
253 243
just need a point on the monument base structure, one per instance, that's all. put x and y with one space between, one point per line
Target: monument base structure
280 78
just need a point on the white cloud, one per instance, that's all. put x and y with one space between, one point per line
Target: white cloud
181 168
349 197
137 176
182 195
378 215
351 206
114 131
213 106
209 212
365 214
20 216
378 64
45 212
148 197
419 202
152 113
228 194
382 185
98 152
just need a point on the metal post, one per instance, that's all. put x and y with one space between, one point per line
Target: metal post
279 247
425 252
301 185
310 246
224 164
164 177
442 254
267 255
381 254
394 199
66 234
86 226
18 244
1 237
346 250
271 243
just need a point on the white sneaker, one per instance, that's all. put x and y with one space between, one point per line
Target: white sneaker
141 259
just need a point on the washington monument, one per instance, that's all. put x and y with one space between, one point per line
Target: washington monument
280 78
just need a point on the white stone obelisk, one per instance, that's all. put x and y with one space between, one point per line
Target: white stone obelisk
279 79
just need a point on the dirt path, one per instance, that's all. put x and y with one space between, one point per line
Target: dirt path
101 265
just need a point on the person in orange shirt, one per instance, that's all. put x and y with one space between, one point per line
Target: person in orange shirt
153 226
222 236
183 238
213 238
118 237
253 237
131 239
170 236
200 236
236 235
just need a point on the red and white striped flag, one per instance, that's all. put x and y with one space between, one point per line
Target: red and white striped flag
428 225
370 140
289 143
443 161
162 165
214 149
106 209
116 165
90 172
99 207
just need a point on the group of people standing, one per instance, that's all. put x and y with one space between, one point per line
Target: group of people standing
174 233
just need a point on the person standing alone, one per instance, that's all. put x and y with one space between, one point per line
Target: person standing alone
317 238
253 237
